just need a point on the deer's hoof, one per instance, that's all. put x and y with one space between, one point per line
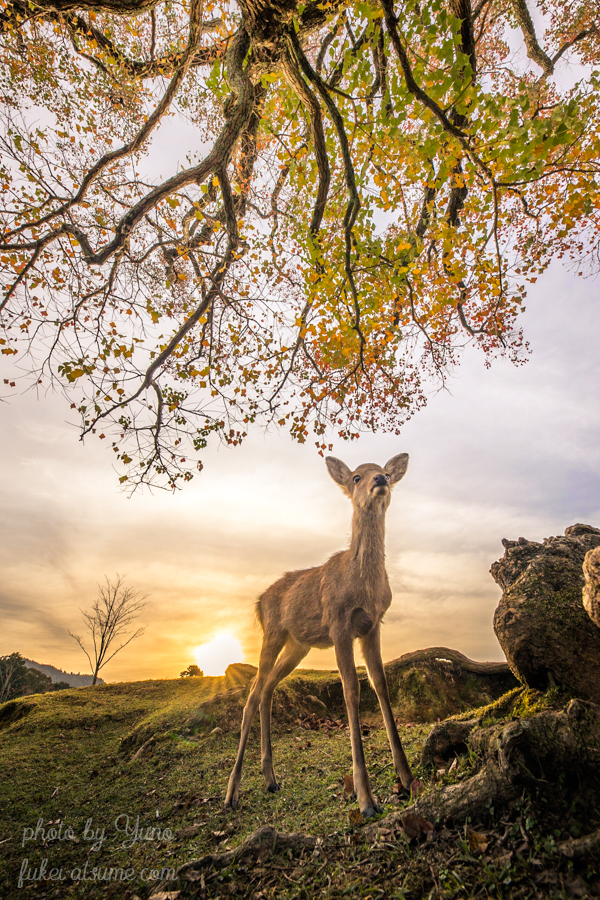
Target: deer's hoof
273 787
231 804
370 811
373 809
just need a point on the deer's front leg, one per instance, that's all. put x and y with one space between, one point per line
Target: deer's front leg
371 648
290 657
345 660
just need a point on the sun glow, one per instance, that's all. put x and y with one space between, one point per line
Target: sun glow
214 657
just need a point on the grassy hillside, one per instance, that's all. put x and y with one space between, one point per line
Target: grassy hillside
146 751
132 776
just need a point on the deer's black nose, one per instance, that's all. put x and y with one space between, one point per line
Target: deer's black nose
379 479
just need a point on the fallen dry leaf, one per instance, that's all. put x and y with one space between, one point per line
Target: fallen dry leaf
415 788
476 841
398 787
190 831
348 784
355 817
415 826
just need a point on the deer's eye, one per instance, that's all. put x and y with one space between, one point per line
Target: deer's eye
387 477
356 479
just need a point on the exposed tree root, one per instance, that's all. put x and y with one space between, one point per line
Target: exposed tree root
444 654
577 848
262 843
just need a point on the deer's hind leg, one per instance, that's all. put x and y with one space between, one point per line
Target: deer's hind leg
272 645
292 654
371 648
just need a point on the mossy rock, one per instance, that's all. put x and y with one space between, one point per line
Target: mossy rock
541 624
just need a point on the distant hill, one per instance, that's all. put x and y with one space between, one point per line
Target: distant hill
75 679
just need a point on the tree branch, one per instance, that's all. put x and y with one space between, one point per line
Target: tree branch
308 99
354 201
143 134
534 51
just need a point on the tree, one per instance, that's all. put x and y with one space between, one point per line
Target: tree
35 682
371 186
112 613
13 673
192 671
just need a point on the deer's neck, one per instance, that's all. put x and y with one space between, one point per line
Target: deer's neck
367 546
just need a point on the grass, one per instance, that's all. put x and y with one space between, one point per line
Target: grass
73 759
138 774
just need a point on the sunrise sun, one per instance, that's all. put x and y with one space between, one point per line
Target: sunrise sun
214 657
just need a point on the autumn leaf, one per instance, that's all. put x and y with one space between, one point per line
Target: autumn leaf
415 826
478 843
398 787
355 817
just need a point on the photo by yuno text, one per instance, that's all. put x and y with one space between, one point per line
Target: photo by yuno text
125 828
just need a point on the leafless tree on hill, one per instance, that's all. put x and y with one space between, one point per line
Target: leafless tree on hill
113 611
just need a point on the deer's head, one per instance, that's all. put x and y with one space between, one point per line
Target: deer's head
368 486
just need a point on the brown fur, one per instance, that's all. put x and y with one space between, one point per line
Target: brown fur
332 605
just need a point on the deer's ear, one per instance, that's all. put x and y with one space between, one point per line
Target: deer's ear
396 467
338 470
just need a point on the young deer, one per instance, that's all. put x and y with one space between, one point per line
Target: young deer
332 604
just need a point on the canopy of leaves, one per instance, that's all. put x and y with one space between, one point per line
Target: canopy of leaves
370 186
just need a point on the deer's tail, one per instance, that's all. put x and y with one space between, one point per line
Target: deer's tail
259 613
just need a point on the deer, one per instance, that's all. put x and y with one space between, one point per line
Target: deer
333 604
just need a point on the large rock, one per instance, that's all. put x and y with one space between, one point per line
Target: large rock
591 588
540 622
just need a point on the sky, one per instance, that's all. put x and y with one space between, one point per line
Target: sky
504 452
